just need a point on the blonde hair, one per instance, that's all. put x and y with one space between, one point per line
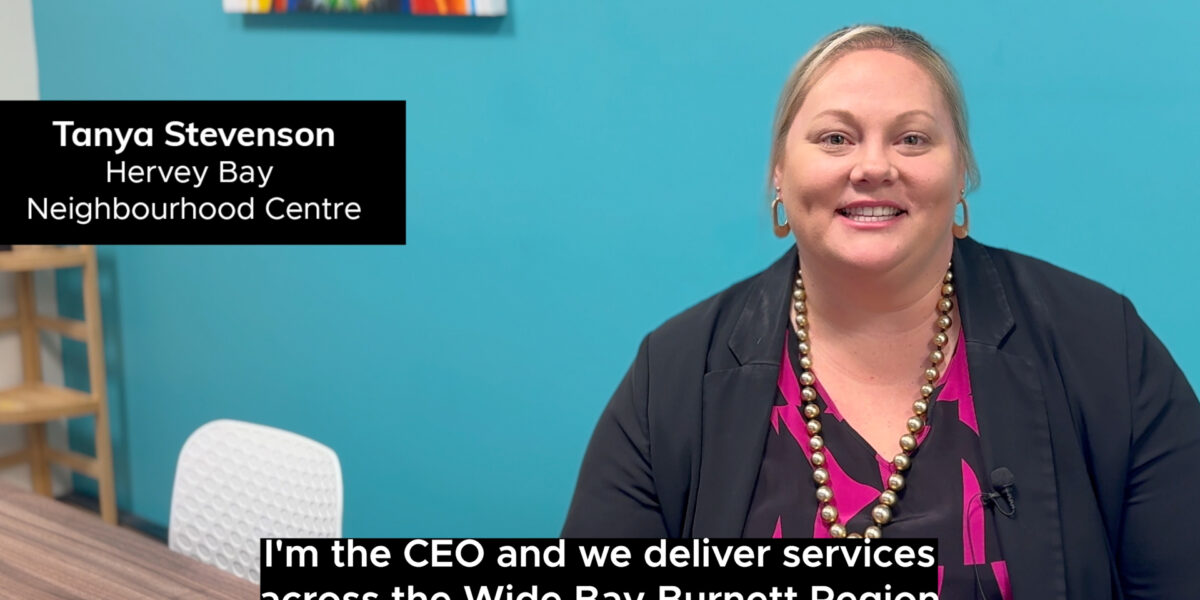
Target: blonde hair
901 41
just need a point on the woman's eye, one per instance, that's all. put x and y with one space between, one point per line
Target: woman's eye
835 139
913 139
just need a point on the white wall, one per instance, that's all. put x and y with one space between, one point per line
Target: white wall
18 70
19 81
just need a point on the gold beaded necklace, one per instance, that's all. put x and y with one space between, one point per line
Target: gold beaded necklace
881 514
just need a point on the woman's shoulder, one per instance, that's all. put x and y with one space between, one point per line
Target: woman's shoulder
1067 324
1034 269
733 319
1049 287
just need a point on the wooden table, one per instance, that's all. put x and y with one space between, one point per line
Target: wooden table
51 550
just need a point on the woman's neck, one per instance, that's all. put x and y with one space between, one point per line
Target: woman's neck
848 300
878 322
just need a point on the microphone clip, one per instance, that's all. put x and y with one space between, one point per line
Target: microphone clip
1003 482
1004 503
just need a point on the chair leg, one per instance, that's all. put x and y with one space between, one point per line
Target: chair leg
99 386
39 462
106 486
31 347
31 367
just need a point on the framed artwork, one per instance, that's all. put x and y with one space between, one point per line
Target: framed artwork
478 8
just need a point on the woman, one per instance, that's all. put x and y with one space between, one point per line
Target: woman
889 376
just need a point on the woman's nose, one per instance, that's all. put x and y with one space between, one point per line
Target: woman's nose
874 166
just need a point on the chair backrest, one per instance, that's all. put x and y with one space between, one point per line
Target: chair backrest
237 482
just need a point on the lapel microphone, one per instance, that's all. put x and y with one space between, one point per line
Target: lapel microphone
1003 482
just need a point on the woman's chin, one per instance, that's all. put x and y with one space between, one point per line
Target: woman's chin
874 258
879 252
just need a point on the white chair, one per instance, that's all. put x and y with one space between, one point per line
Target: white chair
237 482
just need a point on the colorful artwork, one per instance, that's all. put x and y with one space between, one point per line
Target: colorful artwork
478 8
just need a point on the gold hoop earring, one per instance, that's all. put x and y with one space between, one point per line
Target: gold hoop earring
960 231
781 229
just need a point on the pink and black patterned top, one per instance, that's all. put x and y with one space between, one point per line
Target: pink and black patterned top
940 500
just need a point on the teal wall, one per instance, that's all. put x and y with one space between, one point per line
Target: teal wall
577 172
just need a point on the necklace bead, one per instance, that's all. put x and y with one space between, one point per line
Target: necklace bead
824 493
882 513
829 513
821 475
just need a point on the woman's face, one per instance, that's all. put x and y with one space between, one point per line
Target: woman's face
870 172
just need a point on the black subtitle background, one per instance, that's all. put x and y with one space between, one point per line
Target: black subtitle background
326 577
366 165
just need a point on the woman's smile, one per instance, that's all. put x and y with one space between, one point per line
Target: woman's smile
870 215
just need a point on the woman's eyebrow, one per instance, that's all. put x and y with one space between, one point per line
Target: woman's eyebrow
846 115
914 113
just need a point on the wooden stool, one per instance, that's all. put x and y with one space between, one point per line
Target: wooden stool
33 402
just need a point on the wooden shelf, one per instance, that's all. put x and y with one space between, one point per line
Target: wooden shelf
72 328
34 403
38 259
38 402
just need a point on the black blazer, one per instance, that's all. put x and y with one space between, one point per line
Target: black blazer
1073 394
